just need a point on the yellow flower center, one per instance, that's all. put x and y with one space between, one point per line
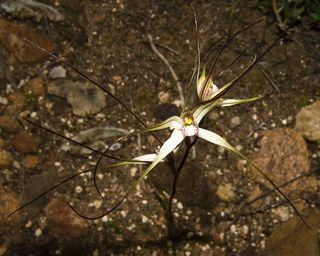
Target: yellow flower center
187 120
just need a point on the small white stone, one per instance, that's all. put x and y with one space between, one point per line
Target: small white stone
144 218
57 164
33 114
28 224
123 213
38 232
58 72
144 201
3 100
105 219
97 204
284 121
255 117
79 189
180 205
133 171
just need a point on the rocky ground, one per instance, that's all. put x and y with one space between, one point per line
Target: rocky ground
222 206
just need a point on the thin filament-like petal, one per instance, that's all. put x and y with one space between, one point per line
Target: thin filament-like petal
232 102
218 140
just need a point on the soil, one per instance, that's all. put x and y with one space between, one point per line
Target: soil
108 41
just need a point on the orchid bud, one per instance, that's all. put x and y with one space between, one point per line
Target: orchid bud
205 87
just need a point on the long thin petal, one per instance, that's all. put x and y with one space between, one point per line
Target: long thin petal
218 140
165 124
201 111
232 102
146 158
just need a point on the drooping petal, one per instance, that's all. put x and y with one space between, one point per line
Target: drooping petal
168 146
231 102
218 140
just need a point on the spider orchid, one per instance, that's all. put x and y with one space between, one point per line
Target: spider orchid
188 125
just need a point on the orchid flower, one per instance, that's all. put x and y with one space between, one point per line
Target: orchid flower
188 125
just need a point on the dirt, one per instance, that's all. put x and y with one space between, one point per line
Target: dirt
108 41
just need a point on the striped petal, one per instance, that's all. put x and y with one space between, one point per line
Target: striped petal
231 102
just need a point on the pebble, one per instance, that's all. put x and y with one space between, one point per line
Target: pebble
24 142
63 221
6 159
84 98
144 219
58 72
38 232
30 161
79 189
3 100
308 122
283 155
164 97
35 86
9 124
97 204
254 117
11 37
235 121
226 192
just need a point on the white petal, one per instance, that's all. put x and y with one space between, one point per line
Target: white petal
146 158
168 146
176 124
202 110
215 139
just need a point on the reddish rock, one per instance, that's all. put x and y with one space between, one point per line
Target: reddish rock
6 159
2 142
9 124
63 221
35 86
11 37
17 98
283 155
24 142
8 203
30 161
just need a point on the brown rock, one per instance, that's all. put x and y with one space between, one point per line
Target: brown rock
9 124
35 86
283 155
6 159
30 161
294 238
11 37
63 221
17 98
8 203
308 122
2 142
226 192
24 142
